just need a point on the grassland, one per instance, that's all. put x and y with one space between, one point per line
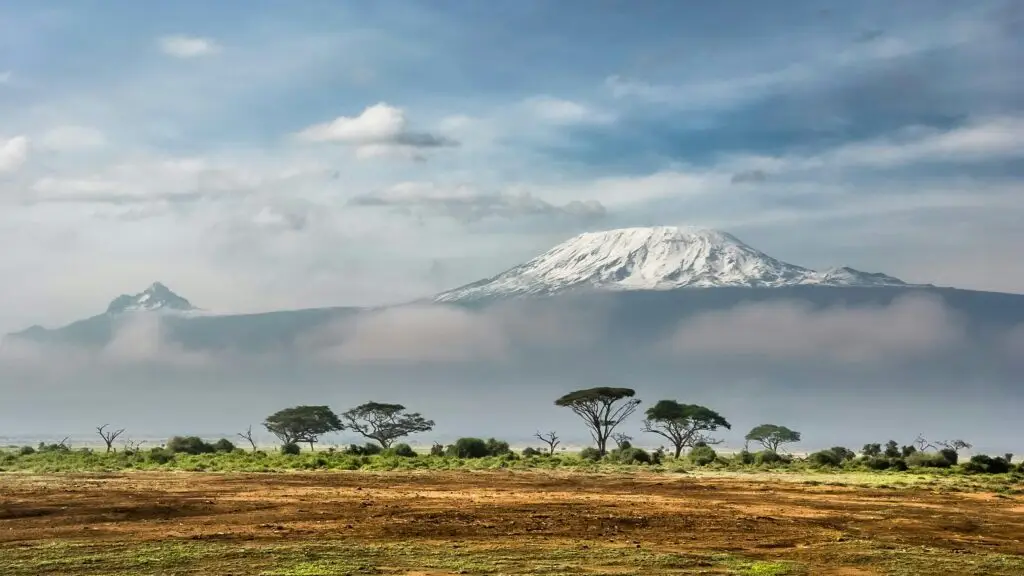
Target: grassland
508 520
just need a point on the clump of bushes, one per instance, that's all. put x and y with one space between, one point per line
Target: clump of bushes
477 448
159 456
26 451
630 455
368 449
190 445
928 460
437 449
826 458
290 449
983 464
769 458
223 445
530 452
590 454
702 455
401 450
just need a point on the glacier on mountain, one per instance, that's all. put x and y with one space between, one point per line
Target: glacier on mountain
656 258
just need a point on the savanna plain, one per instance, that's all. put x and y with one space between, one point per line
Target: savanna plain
491 516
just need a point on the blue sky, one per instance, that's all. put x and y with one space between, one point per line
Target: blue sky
256 155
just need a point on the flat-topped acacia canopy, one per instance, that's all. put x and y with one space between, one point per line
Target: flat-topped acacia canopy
600 393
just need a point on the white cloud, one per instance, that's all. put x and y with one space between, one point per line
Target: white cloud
13 153
180 46
72 138
379 130
909 327
982 140
559 111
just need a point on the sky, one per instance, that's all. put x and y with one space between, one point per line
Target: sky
263 155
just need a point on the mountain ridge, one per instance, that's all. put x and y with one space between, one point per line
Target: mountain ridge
656 258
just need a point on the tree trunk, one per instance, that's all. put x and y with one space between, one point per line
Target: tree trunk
679 450
310 445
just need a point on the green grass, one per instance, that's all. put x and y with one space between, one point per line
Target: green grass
951 479
344 557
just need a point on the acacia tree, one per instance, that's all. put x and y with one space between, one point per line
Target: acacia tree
109 436
385 423
771 436
684 424
302 424
602 409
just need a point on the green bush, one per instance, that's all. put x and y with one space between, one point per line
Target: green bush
26 450
591 454
631 456
877 463
159 456
368 449
437 449
469 448
290 449
983 464
843 453
529 452
898 464
189 445
497 447
826 458
745 457
702 455
223 445
402 450
928 460
950 455
767 457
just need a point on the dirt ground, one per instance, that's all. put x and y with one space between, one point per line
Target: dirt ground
495 522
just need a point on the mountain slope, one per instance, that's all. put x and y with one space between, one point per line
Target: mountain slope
155 297
658 258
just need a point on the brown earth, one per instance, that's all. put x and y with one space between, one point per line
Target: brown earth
825 529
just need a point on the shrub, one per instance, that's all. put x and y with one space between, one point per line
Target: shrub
402 450
928 460
657 456
189 445
223 445
843 453
529 452
744 457
368 449
631 456
590 453
950 455
26 450
497 447
437 449
767 457
702 455
160 455
290 449
468 448
881 463
826 458
898 464
984 464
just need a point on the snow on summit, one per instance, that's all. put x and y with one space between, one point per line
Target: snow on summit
657 258
156 297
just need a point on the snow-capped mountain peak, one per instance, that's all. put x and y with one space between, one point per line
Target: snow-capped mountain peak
656 258
155 297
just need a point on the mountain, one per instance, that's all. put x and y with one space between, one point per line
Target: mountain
155 298
640 282
658 258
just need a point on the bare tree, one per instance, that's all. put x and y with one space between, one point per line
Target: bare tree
109 436
622 441
956 445
923 445
133 446
248 436
551 439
